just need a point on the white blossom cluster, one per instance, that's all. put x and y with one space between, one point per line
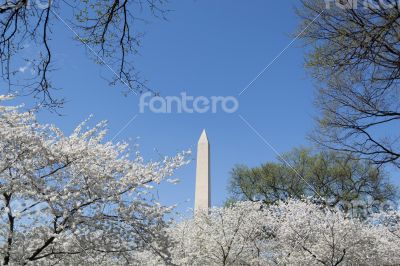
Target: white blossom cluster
75 199
225 236
296 232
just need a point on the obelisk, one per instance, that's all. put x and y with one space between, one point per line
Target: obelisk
202 196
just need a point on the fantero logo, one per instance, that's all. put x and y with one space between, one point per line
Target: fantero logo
187 104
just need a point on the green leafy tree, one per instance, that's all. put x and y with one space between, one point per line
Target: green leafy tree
337 178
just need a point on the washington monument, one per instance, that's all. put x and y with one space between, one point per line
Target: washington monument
203 190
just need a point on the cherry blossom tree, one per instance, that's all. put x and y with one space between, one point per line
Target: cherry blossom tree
225 236
391 220
307 234
76 199
294 232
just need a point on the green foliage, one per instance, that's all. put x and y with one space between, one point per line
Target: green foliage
336 177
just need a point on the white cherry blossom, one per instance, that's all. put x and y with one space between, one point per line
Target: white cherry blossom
78 198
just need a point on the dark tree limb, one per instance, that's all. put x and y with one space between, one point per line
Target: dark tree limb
109 28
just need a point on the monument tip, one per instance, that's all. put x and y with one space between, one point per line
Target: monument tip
203 137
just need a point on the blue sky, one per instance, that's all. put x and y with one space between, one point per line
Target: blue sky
207 48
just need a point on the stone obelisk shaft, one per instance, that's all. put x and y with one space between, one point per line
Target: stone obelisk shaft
203 191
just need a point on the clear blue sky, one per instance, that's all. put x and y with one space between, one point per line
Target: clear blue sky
206 48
